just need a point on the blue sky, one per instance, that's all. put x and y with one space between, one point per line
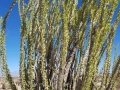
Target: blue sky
13 35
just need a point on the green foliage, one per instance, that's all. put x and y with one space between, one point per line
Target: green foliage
62 45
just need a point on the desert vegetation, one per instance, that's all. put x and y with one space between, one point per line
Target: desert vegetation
62 45
6 85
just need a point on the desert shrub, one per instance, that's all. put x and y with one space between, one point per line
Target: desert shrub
62 44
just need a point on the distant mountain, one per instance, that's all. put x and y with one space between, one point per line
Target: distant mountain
13 74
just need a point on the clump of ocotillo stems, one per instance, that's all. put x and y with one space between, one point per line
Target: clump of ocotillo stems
62 45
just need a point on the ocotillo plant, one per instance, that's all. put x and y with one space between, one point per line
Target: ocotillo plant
62 45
